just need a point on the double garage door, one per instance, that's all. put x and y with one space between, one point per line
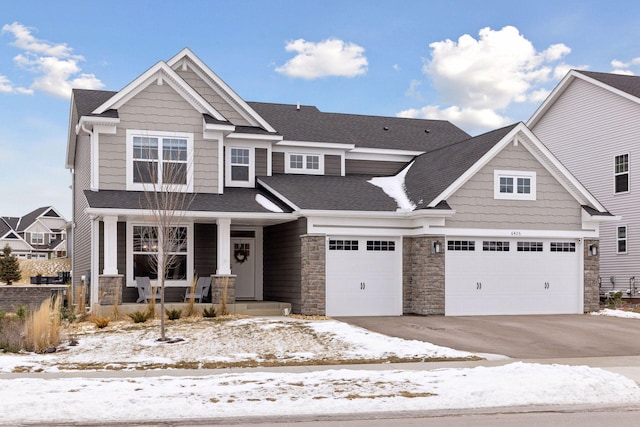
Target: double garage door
364 276
512 276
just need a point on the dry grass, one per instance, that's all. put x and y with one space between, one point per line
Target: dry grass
190 306
223 297
11 333
43 267
42 329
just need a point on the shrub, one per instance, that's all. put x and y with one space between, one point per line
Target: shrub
614 300
67 313
209 312
100 322
11 334
9 266
22 312
140 316
42 328
173 314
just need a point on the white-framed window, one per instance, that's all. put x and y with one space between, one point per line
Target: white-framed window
621 174
143 246
37 238
514 185
304 163
240 170
461 245
621 239
157 159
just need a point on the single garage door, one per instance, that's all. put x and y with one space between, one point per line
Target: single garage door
364 276
512 276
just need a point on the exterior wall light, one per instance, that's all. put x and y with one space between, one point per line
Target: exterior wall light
437 247
593 250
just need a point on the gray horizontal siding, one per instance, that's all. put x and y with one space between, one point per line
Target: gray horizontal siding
332 165
585 129
282 262
277 163
371 167
261 161
475 206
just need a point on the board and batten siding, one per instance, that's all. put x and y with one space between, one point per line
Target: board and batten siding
158 108
283 264
218 102
585 129
372 167
475 206
81 259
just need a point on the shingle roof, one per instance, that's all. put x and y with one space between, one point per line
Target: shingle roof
233 200
435 170
628 84
4 227
310 124
31 217
87 100
11 221
318 192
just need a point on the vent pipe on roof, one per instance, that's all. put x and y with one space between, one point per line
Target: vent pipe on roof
298 106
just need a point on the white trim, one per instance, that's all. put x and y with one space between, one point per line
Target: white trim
223 248
385 151
313 144
514 175
515 233
160 72
136 186
628 172
95 263
227 93
199 215
278 195
626 239
254 136
303 170
110 245
251 182
130 279
32 233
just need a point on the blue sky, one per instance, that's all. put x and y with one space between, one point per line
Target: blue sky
478 64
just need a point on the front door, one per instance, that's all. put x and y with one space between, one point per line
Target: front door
243 265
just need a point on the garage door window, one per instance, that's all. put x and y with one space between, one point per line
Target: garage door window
529 246
563 247
381 245
461 245
495 246
343 245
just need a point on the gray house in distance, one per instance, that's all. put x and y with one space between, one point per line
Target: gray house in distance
591 123
336 214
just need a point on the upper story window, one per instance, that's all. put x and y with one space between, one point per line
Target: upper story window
158 159
515 185
621 239
240 167
37 238
304 163
621 173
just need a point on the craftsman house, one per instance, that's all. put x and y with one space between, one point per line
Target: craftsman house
336 214
40 234
591 123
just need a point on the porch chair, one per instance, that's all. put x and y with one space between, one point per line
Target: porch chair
201 291
144 289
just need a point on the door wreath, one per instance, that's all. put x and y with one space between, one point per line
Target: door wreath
241 255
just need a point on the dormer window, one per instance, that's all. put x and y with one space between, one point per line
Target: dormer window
304 163
240 167
515 185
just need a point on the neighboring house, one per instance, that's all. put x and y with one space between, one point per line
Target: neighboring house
40 234
337 214
591 123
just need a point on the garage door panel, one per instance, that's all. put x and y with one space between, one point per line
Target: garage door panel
363 281
512 282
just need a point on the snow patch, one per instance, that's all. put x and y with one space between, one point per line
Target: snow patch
616 313
267 204
393 186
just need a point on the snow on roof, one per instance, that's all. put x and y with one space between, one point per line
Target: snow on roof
393 186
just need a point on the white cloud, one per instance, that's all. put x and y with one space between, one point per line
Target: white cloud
331 57
5 84
396 67
54 65
621 67
413 90
480 78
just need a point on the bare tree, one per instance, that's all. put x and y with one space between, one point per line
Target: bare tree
162 166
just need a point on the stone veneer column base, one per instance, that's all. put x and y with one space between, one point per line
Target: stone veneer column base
218 283
423 275
591 276
313 262
110 289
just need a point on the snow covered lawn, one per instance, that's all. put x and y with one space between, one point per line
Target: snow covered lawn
125 396
226 343
616 313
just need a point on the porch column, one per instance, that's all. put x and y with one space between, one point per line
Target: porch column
224 246
110 245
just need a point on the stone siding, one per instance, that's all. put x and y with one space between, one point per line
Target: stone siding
218 284
313 275
423 275
110 289
591 277
29 296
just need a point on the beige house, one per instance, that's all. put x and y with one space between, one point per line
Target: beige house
336 214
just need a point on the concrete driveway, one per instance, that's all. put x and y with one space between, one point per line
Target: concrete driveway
522 337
